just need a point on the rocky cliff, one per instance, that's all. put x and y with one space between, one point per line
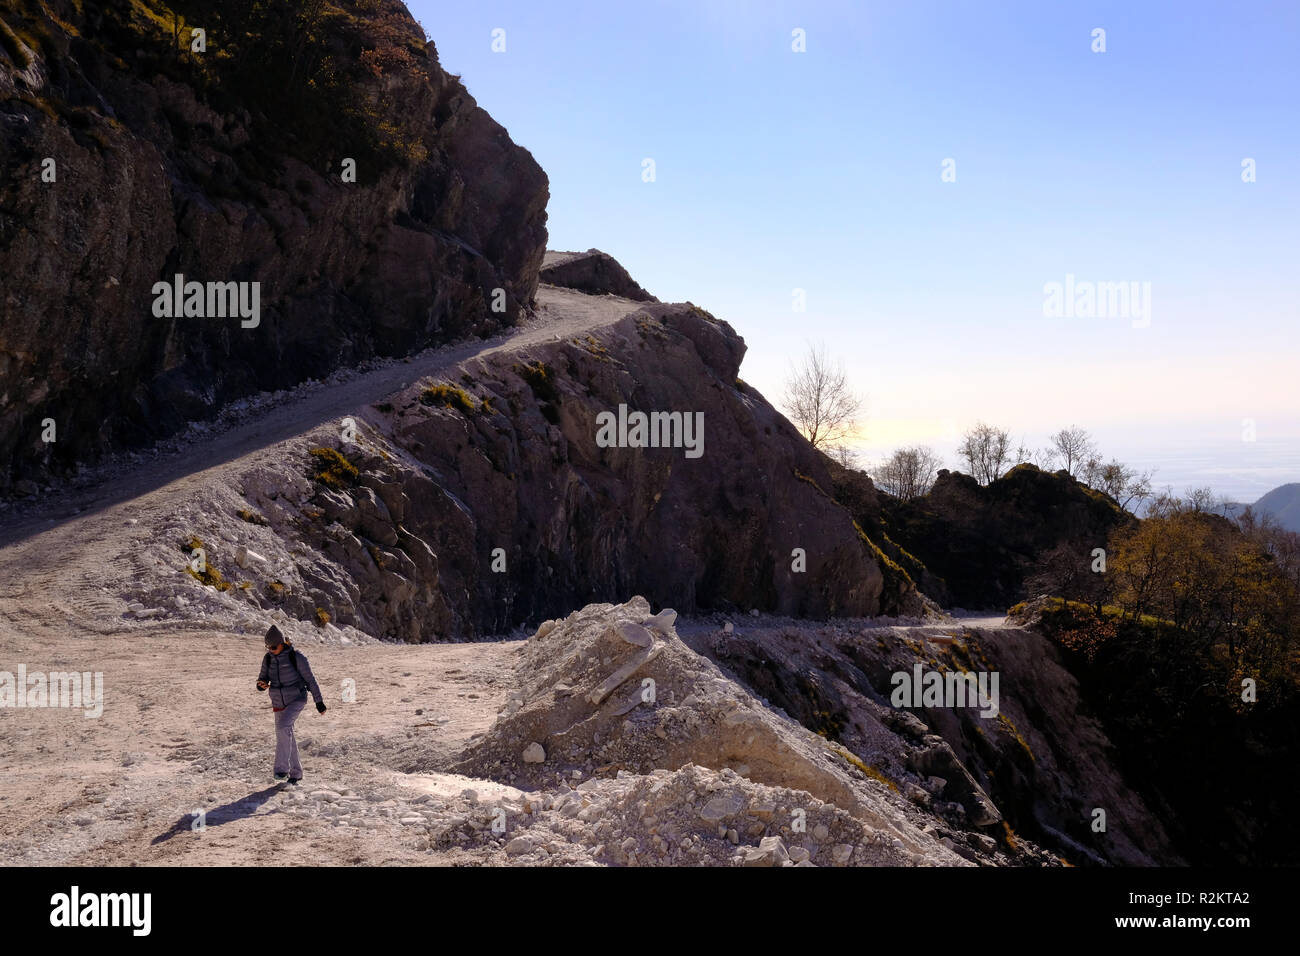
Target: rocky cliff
599 463
1038 768
486 498
320 152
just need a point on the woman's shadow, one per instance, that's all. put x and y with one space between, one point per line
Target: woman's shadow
226 813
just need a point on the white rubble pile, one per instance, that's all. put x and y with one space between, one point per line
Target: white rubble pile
698 816
610 695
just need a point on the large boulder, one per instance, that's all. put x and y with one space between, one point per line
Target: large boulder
593 272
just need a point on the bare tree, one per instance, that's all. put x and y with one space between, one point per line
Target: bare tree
986 450
820 402
844 456
1089 472
1126 485
1067 571
908 473
1200 500
1042 458
1074 446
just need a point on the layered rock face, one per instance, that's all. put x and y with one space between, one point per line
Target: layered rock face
128 157
1041 765
742 525
466 506
593 272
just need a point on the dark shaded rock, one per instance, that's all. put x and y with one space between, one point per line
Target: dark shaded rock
581 523
512 512
936 759
593 271
858 493
974 546
174 163
1041 765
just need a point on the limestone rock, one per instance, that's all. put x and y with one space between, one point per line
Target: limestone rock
770 851
722 807
519 846
662 622
634 634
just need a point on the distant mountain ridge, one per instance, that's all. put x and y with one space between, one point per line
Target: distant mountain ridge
1282 504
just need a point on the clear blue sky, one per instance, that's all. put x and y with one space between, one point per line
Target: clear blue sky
821 170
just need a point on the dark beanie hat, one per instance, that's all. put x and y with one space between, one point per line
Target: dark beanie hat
274 637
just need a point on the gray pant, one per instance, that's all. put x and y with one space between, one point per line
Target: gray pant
286 745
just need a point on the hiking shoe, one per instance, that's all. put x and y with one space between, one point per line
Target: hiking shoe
281 776
295 779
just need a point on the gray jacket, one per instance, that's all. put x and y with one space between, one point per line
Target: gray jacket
290 677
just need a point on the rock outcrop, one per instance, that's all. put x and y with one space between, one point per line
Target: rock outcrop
128 156
468 505
974 546
593 272
1038 768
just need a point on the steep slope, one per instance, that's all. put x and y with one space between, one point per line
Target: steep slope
479 498
128 156
1283 503
1036 768
485 499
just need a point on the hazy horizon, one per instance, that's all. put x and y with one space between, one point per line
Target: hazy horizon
1241 471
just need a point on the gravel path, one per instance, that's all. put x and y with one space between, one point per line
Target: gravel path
177 769
182 728
561 313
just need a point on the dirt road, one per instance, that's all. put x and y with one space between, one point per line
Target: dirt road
561 313
55 554
182 728
177 768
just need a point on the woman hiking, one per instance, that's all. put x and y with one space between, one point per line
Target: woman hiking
286 672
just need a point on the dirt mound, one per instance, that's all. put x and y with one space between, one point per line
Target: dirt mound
690 816
612 689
